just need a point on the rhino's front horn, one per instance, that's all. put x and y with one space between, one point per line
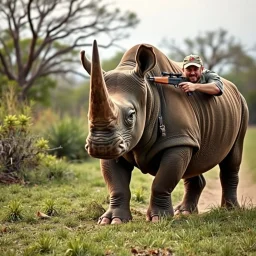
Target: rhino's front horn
101 107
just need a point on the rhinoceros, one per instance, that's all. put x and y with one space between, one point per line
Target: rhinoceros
134 122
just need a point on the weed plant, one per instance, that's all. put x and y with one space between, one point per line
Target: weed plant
45 244
138 195
14 211
50 207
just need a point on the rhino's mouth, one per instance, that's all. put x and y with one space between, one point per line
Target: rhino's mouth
105 148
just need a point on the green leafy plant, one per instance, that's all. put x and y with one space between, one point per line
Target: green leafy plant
76 247
70 135
53 168
31 250
138 195
14 211
45 244
50 207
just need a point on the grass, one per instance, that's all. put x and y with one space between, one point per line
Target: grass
249 151
74 206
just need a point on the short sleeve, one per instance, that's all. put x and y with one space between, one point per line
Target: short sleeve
212 77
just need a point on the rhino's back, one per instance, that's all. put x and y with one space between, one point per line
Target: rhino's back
219 120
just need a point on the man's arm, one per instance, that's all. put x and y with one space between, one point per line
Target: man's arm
209 88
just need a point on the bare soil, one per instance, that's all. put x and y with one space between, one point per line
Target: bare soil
211 195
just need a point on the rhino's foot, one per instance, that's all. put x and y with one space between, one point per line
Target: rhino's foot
230 204
157 214
116 216
185 210
153 219
107 221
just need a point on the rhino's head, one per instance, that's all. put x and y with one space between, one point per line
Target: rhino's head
117 107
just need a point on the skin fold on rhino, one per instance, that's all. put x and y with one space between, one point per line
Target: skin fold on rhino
202 131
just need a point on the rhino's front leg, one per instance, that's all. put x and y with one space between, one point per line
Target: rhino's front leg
172 167
117 175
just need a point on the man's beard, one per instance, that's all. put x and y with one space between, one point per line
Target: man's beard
193 79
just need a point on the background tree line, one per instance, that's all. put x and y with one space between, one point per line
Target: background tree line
40 43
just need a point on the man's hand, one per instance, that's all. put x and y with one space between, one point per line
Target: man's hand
210 88
188 86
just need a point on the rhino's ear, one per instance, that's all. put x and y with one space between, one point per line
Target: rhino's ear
145 59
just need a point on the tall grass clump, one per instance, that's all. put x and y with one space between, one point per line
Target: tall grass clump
9 103
45 244
14 211
70 135
79 247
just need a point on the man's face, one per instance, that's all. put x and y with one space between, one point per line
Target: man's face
193 73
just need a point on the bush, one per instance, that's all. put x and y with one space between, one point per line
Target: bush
70 135
18 148
24 155
21 153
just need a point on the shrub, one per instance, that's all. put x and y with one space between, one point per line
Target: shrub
70 135
19 149
23 153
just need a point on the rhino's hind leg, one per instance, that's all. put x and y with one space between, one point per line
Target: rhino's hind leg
193 189
229 169
230 166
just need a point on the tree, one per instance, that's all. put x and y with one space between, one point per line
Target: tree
112 62
245 80
218 50
55 30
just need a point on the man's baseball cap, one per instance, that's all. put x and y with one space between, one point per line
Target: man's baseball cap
192 60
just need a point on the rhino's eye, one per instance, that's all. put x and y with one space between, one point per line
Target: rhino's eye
131 115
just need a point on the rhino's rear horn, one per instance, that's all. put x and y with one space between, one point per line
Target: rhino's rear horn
85 62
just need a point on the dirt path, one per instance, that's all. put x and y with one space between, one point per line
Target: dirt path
211 195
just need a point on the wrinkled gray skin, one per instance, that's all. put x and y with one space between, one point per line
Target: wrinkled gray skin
202 131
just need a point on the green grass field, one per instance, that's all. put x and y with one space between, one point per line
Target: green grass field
250 150
76 203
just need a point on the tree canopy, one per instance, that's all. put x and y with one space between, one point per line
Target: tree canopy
219 50
39 38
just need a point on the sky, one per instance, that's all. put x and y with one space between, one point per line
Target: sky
180 19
